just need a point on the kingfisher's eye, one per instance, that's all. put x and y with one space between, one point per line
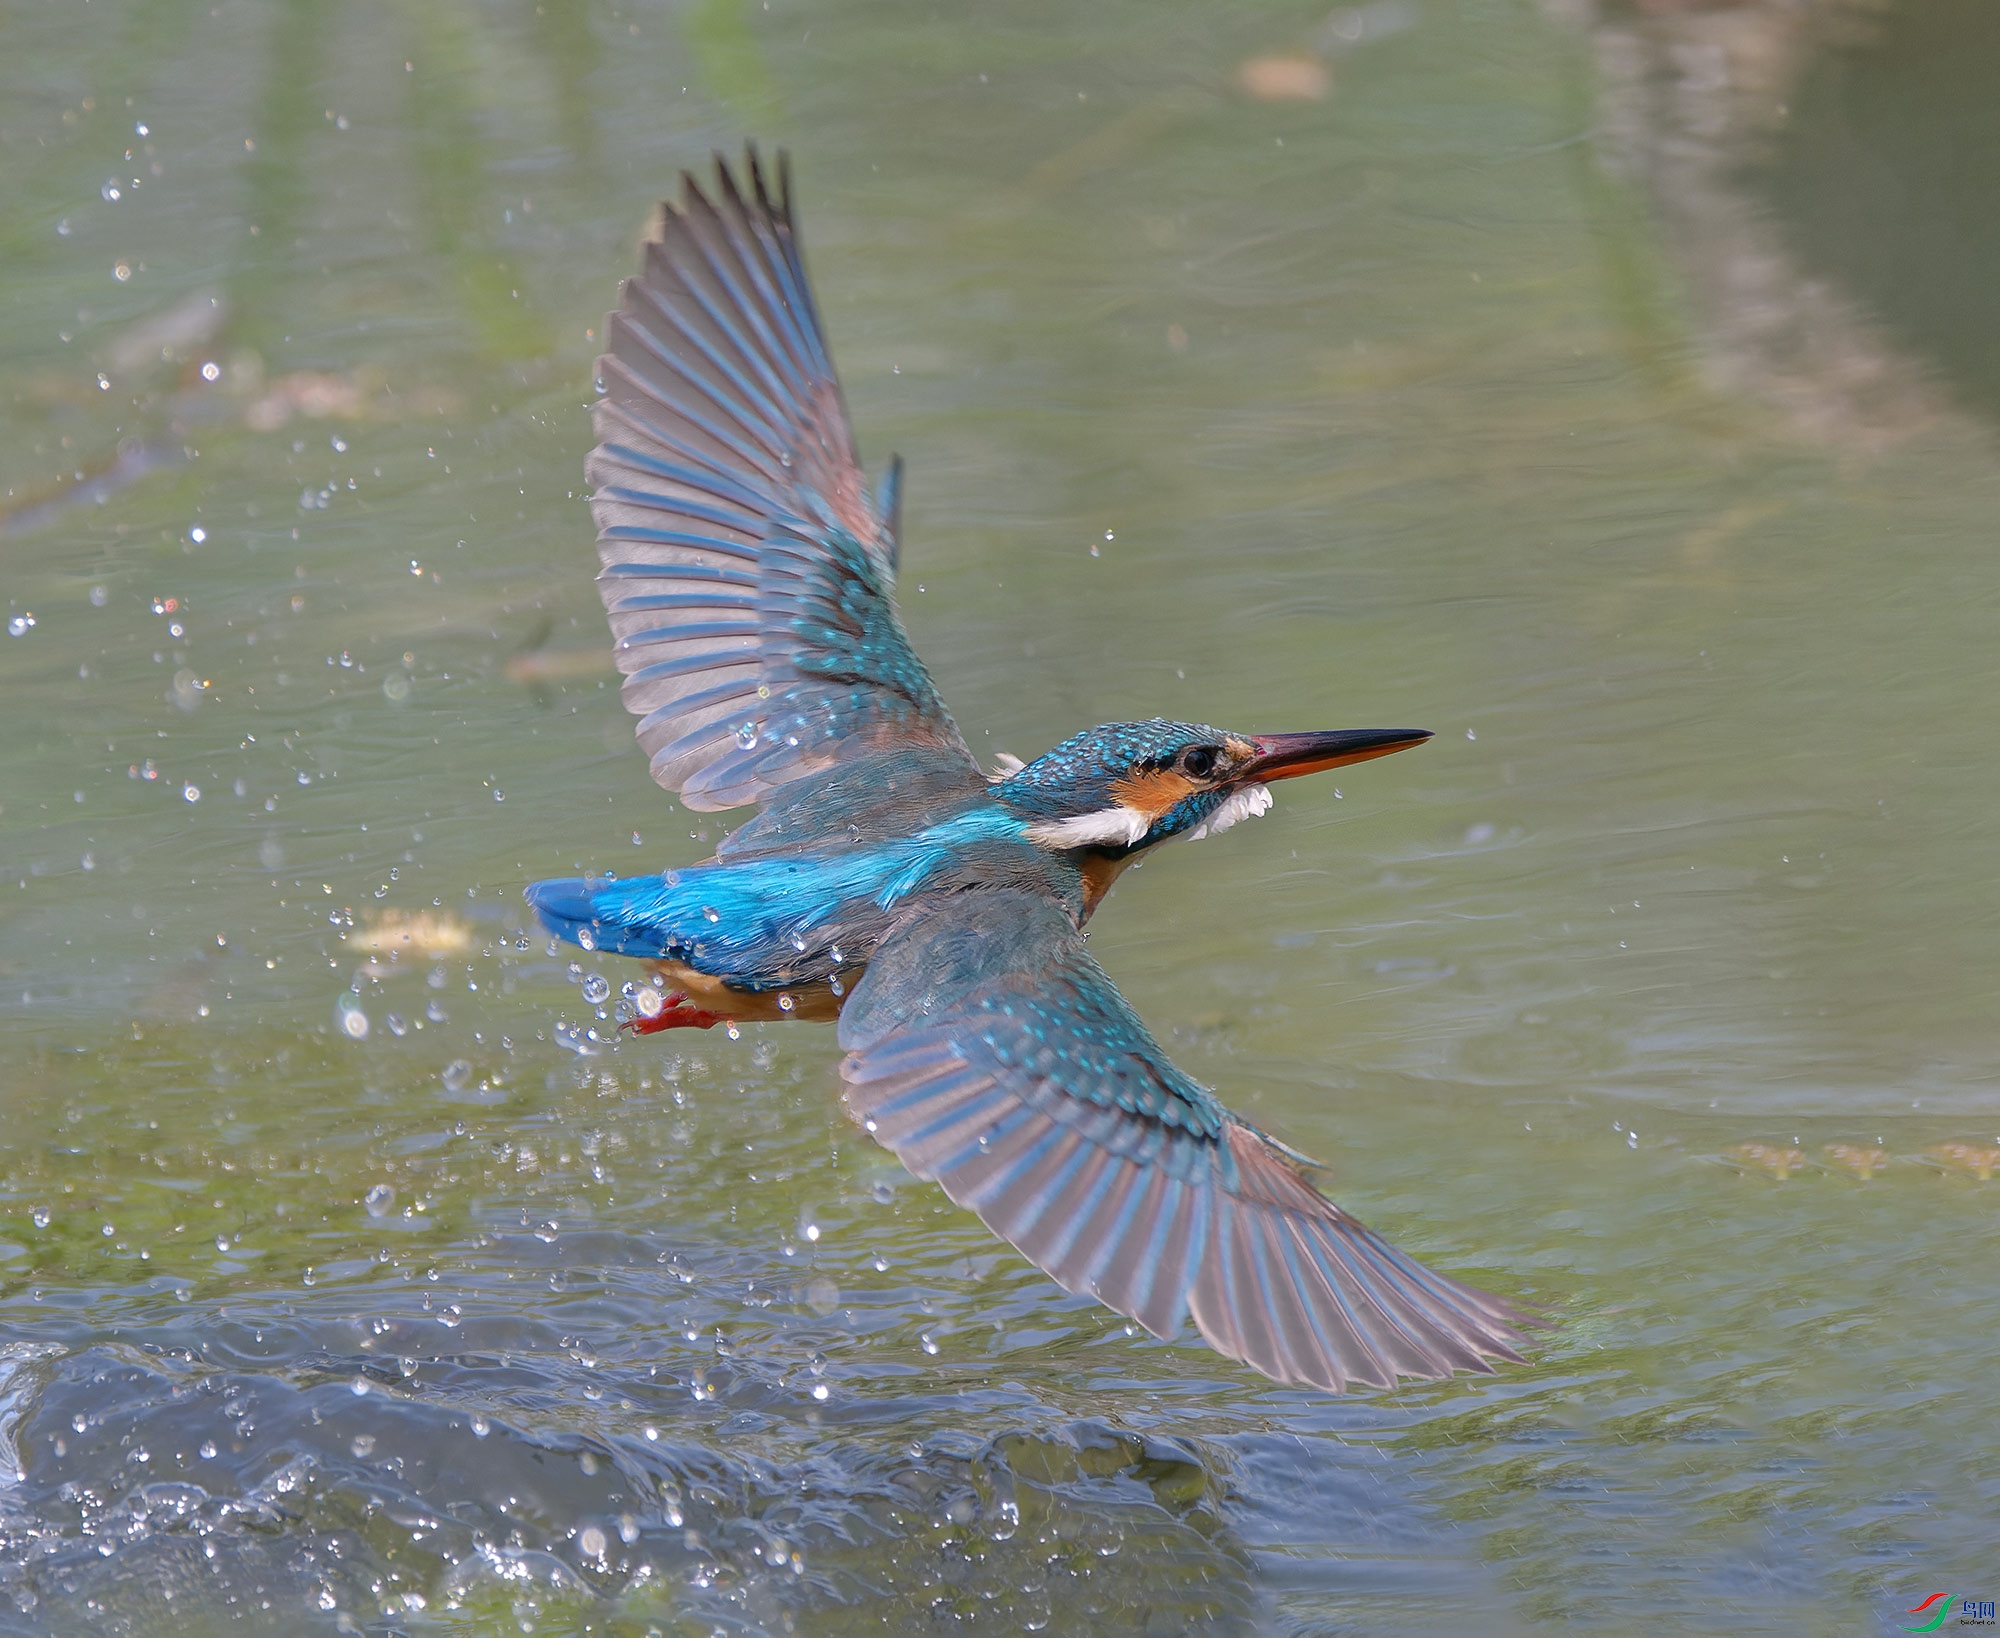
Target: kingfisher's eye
1198 761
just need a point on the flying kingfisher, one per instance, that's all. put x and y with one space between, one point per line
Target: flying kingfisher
887 881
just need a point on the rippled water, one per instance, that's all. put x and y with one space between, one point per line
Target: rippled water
346 1282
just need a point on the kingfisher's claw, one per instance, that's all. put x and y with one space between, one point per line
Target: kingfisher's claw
677 1013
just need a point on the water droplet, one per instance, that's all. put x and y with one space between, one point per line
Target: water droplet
835 985
929 1343
586 938
396 688
20 625
590 1542
596 988
40 1216
648 1002
380 1200
207 1451
110 192
457 1075
191 793
211 371
396 1024
350 1019
499 796
362 1444
785 1003
481 1427
710 913
197 534
746 737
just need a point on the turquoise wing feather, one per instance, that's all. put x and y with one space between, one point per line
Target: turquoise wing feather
991 1053
748 573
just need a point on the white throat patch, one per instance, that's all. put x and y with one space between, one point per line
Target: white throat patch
1115 826
1247 803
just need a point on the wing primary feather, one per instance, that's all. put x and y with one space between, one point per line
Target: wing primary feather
640 536
725 453
1096 1234
623 413
701 476
753 454
1028 1213
746 236
733 232
1067 1215
751 403
1263 1319
771 229
715 242
976 1142
695 573
697 632
716 598
1389 1340
1157 1277
1414 1309
911 1091
694 664
1333 1358
944 1130
704 243
1001 1161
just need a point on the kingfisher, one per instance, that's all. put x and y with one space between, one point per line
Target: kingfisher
934 909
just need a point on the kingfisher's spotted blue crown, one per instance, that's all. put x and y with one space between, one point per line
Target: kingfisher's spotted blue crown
886 881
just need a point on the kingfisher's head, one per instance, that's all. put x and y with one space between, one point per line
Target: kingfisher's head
1116 790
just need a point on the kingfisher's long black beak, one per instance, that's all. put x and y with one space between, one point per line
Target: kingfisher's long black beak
1286 756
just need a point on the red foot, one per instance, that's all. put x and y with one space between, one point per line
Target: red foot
676 1014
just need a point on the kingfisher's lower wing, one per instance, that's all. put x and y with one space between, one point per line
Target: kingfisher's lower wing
992 1054
748 573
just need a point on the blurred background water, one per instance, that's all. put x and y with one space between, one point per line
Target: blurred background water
1608 390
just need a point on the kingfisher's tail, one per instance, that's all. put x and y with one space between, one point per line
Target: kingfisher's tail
597 914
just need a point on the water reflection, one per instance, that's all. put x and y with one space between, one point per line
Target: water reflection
1817 174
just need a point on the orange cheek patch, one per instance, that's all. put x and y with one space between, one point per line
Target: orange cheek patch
1154 793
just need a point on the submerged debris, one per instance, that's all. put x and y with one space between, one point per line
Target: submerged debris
414 932
1768 1159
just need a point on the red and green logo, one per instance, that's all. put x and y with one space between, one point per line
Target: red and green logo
1942 1601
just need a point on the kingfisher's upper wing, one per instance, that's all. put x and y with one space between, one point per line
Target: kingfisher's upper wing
992 1054
748 573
